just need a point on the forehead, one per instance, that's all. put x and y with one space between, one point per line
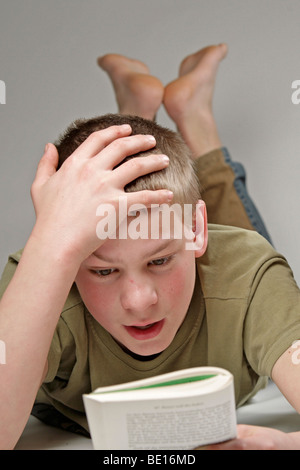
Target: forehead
135 222
135 250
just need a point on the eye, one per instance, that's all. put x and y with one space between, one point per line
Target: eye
160 261
104 272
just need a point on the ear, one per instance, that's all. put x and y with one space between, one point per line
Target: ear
200 229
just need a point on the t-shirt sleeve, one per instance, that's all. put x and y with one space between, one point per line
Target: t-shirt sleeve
61 356
273 318
8 272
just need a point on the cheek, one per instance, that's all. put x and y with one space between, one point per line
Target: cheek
180 285
98 300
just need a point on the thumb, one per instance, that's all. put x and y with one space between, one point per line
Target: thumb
48 164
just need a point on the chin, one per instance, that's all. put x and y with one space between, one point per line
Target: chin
147 351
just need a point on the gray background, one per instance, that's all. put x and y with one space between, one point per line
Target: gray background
48 52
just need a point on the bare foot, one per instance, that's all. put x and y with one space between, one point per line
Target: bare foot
188 99
137 92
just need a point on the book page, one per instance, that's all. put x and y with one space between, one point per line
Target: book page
180 423
180 427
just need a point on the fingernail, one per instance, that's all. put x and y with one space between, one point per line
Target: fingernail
169 195
151 138
165 158
46 148
126 127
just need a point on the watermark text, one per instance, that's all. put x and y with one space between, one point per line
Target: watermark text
296 94
2 92
2 352
137 221
296 353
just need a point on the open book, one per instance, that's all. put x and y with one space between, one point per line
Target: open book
179 410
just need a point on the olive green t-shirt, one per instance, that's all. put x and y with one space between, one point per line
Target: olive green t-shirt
244 313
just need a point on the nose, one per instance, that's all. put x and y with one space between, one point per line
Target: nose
138 295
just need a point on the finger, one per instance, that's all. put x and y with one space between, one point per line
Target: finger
47 165
233 444
141 199
98 140
139 166
119 149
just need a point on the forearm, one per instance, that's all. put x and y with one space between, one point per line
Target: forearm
29 312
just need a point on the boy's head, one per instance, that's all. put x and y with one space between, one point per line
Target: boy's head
179 177
139 290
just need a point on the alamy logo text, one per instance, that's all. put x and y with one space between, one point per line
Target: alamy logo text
2 92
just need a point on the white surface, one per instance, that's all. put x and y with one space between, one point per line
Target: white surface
268 408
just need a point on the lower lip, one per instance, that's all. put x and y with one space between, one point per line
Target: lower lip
148 333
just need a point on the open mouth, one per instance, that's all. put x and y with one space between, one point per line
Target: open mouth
145 327
145 331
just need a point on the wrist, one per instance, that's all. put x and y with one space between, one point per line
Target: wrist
50 249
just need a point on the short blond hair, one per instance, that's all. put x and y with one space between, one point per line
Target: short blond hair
179 177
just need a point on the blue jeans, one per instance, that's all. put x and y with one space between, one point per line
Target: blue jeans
241 189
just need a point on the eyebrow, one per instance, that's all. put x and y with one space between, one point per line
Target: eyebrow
150 254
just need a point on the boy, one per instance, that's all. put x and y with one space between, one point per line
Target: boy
139 307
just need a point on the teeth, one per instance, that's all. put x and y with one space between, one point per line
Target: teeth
144 327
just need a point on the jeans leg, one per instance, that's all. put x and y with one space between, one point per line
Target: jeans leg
241 189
